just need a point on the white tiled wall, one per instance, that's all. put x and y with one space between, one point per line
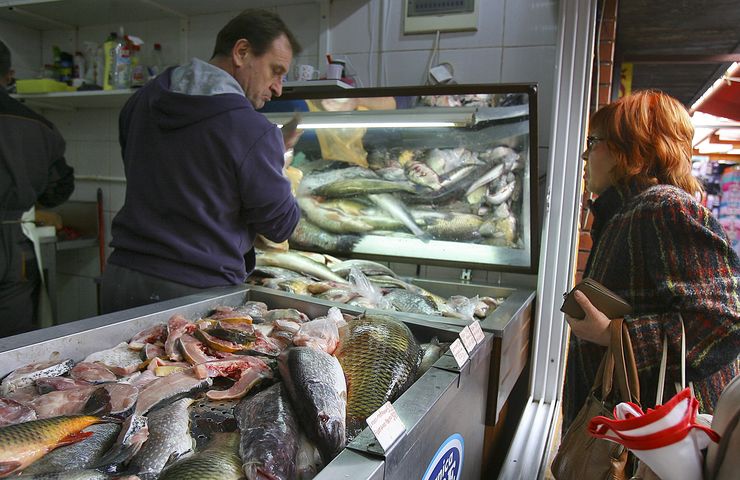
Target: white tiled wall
515 42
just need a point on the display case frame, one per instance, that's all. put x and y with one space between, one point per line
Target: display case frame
485 126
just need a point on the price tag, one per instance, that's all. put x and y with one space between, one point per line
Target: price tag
458 351
477 332
386 425
468 339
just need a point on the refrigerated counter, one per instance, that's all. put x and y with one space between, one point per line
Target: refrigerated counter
443 411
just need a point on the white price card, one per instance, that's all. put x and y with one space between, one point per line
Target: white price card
386 425
477 332
458 351
468 339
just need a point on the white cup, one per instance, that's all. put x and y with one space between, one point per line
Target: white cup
334 71
304 72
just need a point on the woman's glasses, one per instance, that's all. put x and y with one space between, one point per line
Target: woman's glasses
591 141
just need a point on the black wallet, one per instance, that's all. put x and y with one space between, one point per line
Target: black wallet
608 302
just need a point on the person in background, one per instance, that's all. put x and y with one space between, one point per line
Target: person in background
659 249
32 170
204 170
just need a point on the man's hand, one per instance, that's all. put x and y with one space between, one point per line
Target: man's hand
595 327
290 132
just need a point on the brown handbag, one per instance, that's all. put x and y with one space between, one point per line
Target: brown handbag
581 456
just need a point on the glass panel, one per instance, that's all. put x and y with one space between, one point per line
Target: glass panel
434 176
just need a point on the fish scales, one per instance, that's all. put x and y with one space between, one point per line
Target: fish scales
269 434
80 455
23 443
25 376
379 356
169 434
218 461
317 387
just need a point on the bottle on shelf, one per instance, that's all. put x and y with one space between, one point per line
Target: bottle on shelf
156 64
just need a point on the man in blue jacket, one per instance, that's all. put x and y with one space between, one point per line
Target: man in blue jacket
204 170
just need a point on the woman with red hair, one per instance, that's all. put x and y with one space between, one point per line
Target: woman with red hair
659 249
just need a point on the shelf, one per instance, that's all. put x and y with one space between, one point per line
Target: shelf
117 98
68 14
75 100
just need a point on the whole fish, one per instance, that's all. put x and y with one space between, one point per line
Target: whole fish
432 351
395 208
379 357
316 385
502 194
443 161
25 376
489 177
331 220
421 174
411 302
454 185
313 181
169 436
276 272
298 263
269 434
308 235
367 267
455 226
24 443
361 186
218 461
80 455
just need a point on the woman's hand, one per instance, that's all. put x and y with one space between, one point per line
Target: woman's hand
594 327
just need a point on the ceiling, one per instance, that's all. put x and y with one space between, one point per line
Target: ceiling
664 39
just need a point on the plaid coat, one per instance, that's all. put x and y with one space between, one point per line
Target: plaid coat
665 254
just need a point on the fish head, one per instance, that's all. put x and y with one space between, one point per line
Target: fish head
332 430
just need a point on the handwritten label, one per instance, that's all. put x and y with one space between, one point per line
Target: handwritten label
458 351
468 339
386 425
477 332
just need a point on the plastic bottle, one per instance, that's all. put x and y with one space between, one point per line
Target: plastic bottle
109 60
156 64
139 74
122 63
78 69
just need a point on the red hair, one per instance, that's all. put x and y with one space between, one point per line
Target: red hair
650 135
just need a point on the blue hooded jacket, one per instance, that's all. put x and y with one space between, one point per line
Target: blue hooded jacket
204 177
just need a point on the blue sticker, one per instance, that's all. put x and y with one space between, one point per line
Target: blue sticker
447 462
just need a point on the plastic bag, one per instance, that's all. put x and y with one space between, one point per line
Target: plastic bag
321 333
360 284
344 145
461 307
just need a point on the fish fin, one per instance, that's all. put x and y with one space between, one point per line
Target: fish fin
346 243
73 438
6 468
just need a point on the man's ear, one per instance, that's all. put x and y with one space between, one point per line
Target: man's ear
241 52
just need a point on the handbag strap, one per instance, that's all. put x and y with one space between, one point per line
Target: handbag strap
664 365
621 359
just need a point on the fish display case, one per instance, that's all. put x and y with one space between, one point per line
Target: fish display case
442 175
442 411
417 177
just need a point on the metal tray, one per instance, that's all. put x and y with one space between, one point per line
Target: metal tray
429 408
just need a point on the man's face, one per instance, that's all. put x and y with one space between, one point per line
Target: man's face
262 77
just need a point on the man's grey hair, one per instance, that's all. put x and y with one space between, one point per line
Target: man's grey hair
4 59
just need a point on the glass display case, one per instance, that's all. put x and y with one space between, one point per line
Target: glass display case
442 175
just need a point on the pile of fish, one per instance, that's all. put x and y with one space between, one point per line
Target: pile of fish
437 194
245 392
361 283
